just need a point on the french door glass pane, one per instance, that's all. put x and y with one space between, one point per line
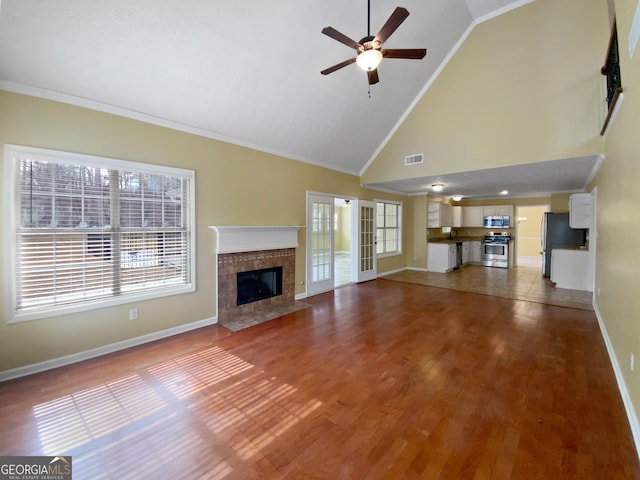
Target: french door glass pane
366 238
321 238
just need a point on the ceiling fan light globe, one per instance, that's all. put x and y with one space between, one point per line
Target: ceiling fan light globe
369 59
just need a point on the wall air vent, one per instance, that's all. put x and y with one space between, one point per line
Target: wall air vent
414 159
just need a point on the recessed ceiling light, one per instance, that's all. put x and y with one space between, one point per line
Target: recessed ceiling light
504 192
456 198
437 187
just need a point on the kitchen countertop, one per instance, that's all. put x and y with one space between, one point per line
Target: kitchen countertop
456 239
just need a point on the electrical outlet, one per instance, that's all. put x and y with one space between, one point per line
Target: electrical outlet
133 314
631 360
598 291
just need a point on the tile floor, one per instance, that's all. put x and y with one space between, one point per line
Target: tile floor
343 269
521 283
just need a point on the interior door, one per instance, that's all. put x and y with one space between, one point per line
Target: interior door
366 248
320 246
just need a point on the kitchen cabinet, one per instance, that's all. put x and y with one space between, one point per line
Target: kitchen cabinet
439 215
457 216
476 252
497 210
441 257
571 269
472 216
466 252
452 257
434 217
580 210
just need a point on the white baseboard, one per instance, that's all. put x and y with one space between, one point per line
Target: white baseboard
622 386
398 270
524 261
301 296
384 274
96 352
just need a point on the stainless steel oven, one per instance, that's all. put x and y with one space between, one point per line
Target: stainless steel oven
495 250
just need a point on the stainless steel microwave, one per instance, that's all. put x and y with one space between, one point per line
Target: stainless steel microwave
496 221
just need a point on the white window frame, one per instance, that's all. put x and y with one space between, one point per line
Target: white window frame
398 229
10 226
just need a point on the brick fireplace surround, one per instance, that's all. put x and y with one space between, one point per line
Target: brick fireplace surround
229 264
241 249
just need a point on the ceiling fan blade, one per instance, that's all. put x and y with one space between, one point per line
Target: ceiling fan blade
413 53
373 76
342 38
398 16
338 66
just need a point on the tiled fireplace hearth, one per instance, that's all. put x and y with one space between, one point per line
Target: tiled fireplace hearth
244 249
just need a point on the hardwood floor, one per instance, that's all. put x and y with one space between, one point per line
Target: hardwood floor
377 380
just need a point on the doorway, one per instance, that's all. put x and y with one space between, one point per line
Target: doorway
529 235
343 231
340 242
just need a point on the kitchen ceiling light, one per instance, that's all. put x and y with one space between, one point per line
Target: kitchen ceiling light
437 187
456 198
504 192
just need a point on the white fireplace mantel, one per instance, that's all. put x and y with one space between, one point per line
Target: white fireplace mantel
249 239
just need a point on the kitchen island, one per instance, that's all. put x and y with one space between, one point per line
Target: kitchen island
445 254
571 268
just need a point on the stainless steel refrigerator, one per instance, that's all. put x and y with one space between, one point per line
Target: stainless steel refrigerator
556 233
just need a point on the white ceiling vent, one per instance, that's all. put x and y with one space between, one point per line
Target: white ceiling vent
414 159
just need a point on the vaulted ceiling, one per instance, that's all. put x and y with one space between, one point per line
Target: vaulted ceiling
243 72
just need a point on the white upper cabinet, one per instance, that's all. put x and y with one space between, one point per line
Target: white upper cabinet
439 215
580 210
457 216
472 216
497 210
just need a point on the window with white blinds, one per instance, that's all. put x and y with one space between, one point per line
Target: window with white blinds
388 228
89 231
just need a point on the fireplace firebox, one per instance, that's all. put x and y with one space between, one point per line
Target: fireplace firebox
257 285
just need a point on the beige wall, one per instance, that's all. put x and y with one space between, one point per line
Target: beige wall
524 87
618 222
416 243
560 203
230 190
343 236
528 230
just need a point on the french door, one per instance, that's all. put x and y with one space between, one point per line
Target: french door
320 244
366 248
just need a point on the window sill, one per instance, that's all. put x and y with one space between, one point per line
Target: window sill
61 310
613 109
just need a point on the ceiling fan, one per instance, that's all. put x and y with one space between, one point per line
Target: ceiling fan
369 49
